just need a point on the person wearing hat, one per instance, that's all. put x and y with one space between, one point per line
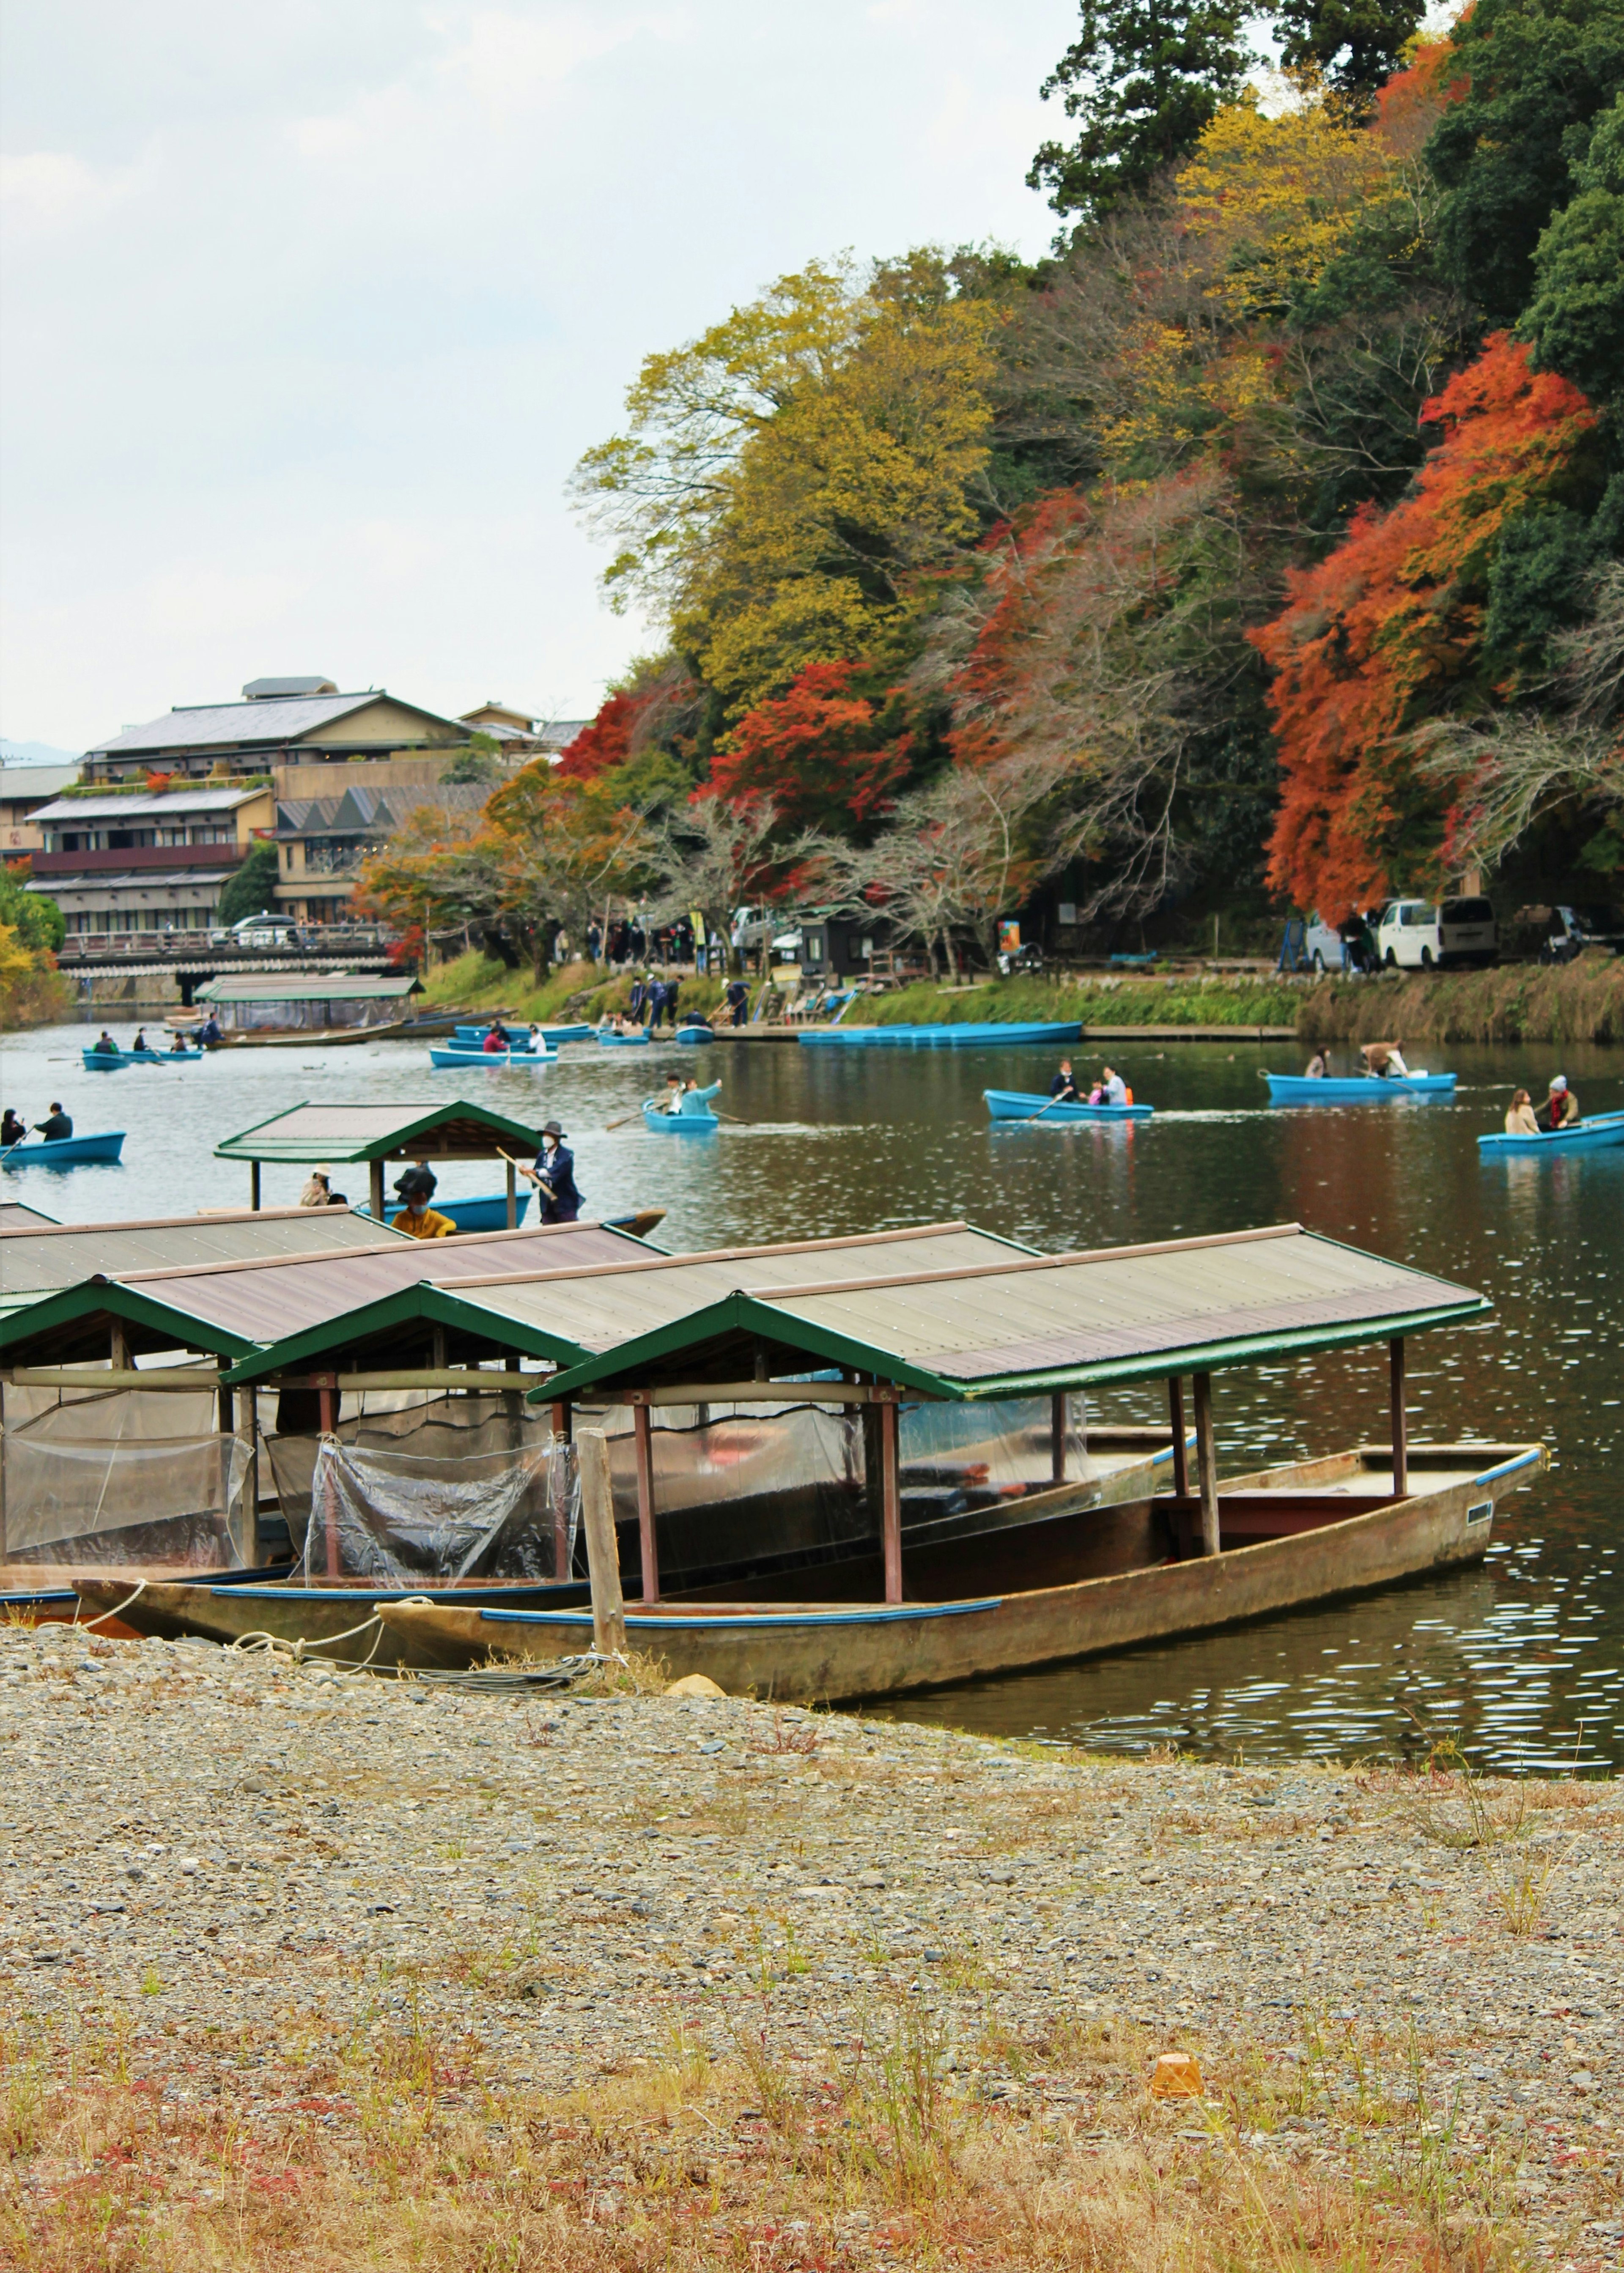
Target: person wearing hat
1560 1109
420 1178
417 1220
318 1190
553 1176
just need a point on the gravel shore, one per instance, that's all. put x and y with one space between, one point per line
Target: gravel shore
191 1840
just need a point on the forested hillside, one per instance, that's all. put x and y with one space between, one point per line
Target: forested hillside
1260 548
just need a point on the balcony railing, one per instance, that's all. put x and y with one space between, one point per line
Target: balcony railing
175 859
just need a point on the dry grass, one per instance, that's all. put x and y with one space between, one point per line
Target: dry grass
1580 1001
315 2145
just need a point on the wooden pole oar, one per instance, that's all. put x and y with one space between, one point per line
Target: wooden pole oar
742 1124
1073 1099
624 1118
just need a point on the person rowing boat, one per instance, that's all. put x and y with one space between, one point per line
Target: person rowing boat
1560 1109
1063 1089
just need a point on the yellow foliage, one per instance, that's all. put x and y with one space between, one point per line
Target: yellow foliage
1270 200
785 475
15 958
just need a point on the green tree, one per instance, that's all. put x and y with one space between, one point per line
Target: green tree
252 888
37 920
1354 44
1142 78
1538 75
1575 320
479 764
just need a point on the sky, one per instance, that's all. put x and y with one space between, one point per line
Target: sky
308 311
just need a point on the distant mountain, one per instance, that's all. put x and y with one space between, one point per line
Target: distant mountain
36 754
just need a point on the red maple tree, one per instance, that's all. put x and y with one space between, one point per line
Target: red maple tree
1387 631
827 756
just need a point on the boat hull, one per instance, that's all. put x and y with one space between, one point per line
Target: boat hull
680 1124
525 1061
1598 1136
695 1034
839 1651
988 1034
1015 1105
66 1151
45 1593
473 1037
623 1041
104 1061
1366 1089
212 1610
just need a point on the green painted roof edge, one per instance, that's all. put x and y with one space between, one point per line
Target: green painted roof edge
1206 1357
420 1300
299 1150
742 1310
122 1302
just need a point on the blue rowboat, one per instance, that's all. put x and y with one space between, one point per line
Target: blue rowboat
488 1212
688 1122
1595 1135
65 1151
623 1041
473 1037
983 1036
520 1061
1356 1089
109 1062
695 1034
1016 1105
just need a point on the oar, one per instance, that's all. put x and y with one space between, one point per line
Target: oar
733 1116
624 1118
1062 1099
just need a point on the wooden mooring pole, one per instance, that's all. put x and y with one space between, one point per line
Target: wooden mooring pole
1207 1463
603 1553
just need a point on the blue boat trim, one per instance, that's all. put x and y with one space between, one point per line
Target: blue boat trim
1012 1108
970 1034
651 1620
1506 1468
364 1595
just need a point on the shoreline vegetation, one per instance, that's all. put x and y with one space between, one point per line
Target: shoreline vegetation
336 1971
1580 1001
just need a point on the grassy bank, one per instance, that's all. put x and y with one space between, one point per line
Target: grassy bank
1580 1001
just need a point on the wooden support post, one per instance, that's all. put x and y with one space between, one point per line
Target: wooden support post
2 1471
118 1345
1181 1459
562 1423
1401 1434
513 1198
1056 1437
561 1505
437 1349
329 1510
1207 1463
248 1424
891 1503
225 1426
643 1442
375 1175
253 1184
603 1553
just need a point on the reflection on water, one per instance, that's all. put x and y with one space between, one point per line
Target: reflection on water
1523 1655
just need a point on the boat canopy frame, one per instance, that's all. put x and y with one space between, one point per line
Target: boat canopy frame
312 1134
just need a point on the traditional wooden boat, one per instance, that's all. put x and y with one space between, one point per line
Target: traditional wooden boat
1064 1581
518 1060
65 1151
1598 1135
46 1593
1356 1089
986 1034
1016 1105
330 1617
1078 1587
114 1061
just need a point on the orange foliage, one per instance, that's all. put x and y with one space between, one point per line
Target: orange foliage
822 754
1382 633
1408 107
605 741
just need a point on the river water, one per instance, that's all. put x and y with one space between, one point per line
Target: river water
1523 1656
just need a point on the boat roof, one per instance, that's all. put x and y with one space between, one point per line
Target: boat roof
569 1308
236 1306
316 1133
1021 1325
37 1258
319 987
14 1216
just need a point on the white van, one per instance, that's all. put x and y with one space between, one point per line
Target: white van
1414 935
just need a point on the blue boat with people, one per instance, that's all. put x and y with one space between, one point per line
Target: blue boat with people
690 1115
1355 1089
1598 1134
523 1038
522 1061
985 1034
1019 1105
114 1060
65 1151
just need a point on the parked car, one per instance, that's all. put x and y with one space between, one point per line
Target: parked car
1324 948
1414 935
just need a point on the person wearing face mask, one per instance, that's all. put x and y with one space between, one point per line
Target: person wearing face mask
418 1218
553 1176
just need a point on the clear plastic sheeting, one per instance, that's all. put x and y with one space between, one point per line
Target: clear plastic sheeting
445 1427
437 1516
171 1502
957 1458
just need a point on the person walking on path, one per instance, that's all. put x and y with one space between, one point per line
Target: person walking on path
737 1000
553 1176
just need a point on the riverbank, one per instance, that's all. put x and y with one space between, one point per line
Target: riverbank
1524 1002
331 1971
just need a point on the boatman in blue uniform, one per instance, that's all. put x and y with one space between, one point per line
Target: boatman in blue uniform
1062 1086
553 1176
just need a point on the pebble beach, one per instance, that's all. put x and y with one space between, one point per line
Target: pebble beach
213 1856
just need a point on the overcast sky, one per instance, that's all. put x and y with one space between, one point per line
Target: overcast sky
309 309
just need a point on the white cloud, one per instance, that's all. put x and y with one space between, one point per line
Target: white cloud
46 191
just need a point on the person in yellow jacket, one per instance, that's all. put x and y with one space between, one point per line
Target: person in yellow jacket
418 1218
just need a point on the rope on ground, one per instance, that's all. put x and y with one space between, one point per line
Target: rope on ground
115 1611
260 1644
